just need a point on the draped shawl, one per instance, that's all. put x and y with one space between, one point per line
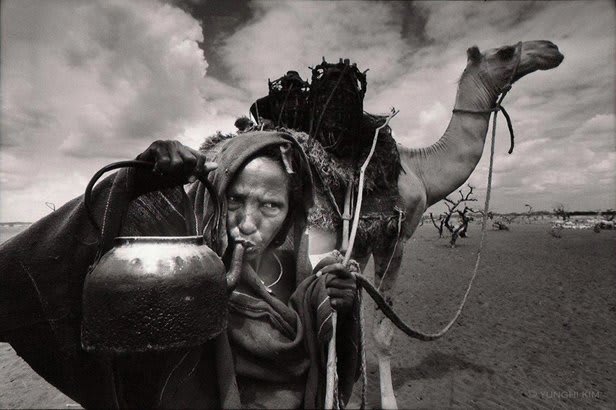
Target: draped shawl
272 355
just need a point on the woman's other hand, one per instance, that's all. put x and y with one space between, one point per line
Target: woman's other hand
340 283
174 164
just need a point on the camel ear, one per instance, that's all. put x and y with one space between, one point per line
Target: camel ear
474 54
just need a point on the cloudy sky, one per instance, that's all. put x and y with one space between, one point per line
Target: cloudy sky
86 83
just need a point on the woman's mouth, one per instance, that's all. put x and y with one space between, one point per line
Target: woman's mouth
250 248
251 251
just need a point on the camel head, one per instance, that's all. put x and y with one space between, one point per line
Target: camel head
513 62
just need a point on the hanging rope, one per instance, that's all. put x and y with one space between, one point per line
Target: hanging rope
332 376
384 306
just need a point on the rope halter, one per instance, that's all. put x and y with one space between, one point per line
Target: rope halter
503 92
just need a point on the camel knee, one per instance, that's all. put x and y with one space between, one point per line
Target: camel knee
383 334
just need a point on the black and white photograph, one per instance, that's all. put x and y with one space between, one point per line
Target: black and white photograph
307 204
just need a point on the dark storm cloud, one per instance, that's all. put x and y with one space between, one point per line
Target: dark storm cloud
219 19
87 81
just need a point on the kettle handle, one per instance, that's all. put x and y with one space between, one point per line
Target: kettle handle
140 164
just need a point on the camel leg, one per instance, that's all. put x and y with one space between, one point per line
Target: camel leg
383 331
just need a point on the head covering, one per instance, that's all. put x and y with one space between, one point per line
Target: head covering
234 154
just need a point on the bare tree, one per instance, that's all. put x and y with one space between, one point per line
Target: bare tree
440 225
529 213
444 221
561 212
459 231
51 206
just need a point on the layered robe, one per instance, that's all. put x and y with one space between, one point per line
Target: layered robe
272 355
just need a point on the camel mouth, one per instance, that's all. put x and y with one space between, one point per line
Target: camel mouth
551 60
550 57
543 56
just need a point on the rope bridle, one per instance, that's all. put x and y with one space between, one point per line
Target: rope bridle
331 388
503 92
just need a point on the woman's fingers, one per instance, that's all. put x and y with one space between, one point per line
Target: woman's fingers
149 154
161 159
198 161
341 300
333 257
209 166
202 165
341 293
342 283
326 261
189 160
339 269
173 159
190 164
177 156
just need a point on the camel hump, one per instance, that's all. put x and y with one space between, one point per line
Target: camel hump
371 122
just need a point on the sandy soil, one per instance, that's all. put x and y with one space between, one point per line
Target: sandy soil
537 332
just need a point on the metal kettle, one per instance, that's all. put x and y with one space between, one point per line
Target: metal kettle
155 293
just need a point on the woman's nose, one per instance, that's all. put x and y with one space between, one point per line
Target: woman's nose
248 222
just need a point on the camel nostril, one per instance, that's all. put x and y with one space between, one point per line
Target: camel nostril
559 57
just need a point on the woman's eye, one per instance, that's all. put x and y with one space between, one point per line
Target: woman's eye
233 201
270 208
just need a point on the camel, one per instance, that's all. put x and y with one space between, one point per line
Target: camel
431 173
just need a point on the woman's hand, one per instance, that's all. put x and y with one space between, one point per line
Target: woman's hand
174 164
340 283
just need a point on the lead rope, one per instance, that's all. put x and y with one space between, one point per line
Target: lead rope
388 311
369 287
374 293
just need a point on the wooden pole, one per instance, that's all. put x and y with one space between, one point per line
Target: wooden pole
349 240
331 348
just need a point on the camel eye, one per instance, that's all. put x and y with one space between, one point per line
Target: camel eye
506 53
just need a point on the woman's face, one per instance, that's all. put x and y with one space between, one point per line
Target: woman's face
258 203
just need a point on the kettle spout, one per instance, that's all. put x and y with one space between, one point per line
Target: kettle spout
237 260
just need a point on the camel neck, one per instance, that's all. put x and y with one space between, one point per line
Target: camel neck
476 91
446 164
468 130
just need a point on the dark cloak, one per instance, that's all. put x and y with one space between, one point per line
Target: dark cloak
42 271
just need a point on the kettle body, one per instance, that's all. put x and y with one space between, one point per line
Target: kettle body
154 293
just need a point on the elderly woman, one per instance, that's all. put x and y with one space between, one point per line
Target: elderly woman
274 351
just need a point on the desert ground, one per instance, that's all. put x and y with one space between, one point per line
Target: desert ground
538 330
